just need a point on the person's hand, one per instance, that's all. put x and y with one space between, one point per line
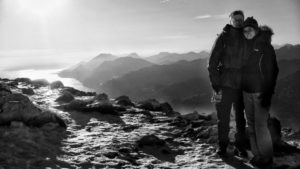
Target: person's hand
266 99
216 97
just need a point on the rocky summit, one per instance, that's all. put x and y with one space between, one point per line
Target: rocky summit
49 125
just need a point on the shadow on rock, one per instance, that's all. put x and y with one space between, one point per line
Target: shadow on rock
30 147
152 145
82 119
236 163
17 107
100 103
154 105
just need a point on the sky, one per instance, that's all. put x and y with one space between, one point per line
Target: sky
67 31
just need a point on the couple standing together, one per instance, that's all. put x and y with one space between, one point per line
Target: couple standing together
243 72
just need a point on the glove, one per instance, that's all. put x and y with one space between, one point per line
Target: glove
266 99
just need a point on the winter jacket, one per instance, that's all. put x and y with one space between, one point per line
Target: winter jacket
225 61
260 69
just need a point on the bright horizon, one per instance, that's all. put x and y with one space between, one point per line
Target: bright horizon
68 31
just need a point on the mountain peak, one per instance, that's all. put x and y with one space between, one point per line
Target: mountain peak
134 55
103 56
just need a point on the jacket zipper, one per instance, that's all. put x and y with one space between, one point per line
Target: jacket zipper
260 69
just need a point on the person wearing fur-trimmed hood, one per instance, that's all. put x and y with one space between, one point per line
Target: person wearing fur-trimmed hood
259 75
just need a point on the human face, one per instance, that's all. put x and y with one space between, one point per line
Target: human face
249 32
237 21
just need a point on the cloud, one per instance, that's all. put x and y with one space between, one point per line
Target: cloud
207 16
203 16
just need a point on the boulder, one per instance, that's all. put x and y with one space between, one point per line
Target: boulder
167 108
56 85
23 80
4 80
39 83
91 106
124 101
150 104
28 91
101 97
103 107
76 92
12 84
179 122
191 116
111 154
196 116
66 97
4 90
150 140
18 107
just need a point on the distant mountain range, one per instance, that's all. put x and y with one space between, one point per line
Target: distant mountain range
83 69
287 99
288 52
109 70
181 79
168 58
105 67
175 83
287 67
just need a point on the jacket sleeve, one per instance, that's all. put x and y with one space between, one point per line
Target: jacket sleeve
272 69
214 62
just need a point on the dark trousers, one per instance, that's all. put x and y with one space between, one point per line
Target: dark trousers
231 97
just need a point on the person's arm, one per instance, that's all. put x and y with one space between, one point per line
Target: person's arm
271 74
272 68
214 63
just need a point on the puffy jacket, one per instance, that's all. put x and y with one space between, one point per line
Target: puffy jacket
260 70
225 60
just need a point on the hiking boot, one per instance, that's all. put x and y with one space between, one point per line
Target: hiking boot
263 164
222 152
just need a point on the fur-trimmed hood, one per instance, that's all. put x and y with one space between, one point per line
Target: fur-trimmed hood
265 33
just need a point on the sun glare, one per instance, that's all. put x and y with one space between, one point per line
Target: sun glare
41 8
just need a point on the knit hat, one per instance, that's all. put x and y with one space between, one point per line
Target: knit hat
250 21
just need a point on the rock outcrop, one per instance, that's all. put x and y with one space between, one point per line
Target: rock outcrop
66 97
154 105
39 83
99 103
56 85
76 92
17 107
28 91
4 90
124 101
115 133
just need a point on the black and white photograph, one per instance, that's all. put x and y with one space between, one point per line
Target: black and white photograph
149 84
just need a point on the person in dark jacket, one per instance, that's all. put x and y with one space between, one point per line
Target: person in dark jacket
259 76
224 68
